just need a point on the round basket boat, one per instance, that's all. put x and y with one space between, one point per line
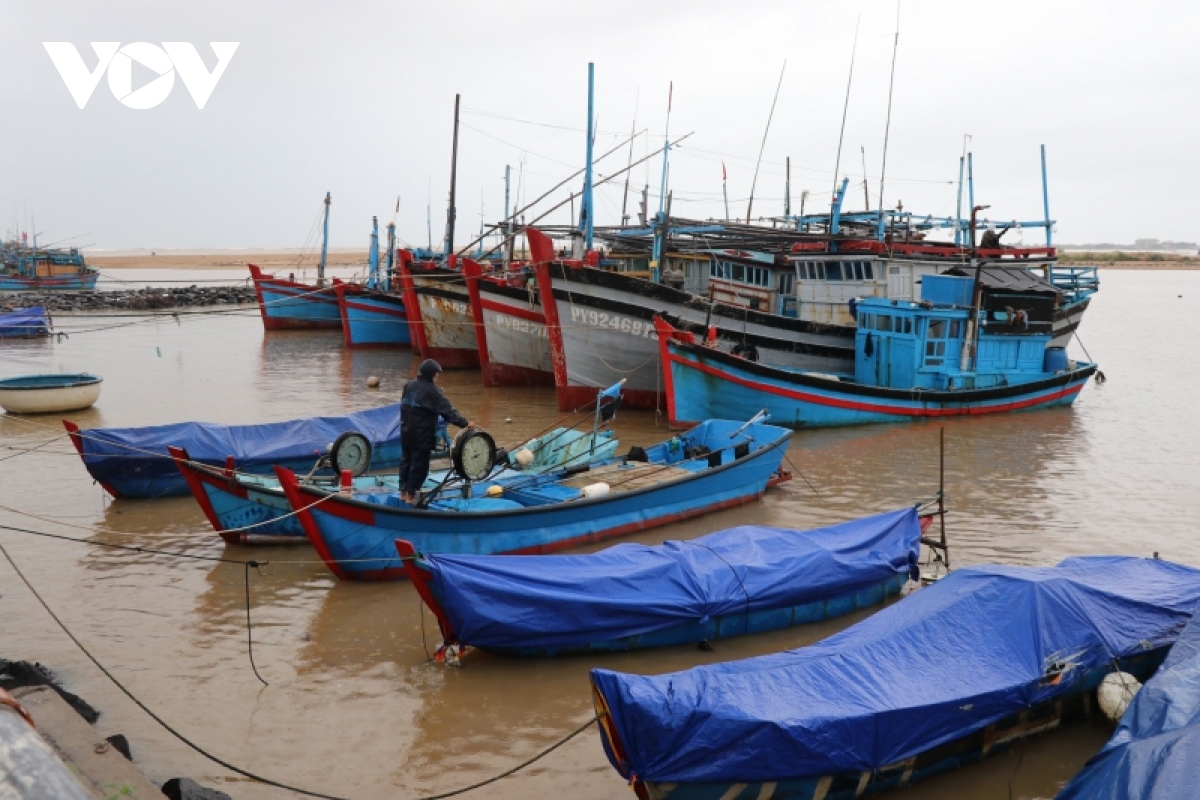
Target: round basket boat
49 394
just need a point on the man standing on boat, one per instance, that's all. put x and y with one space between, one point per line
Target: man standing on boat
421 403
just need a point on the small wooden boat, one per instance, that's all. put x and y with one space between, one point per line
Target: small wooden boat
1155 752
290 305
49 394
25 323
949 355
734 582
234 501
946 676
134 462
716 465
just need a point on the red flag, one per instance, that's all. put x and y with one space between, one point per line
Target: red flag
723 178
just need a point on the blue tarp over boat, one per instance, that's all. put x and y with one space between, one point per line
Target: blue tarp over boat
125 460
973 648
556 602
24 322
1155 753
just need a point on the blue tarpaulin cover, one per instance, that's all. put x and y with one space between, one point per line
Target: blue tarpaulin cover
113 454
24 322
944 662
633 589
1155 753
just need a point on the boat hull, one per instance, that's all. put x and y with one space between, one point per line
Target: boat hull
49 394
700 380
441 326
288 305
21 283
356 538
1079 703
510 331
371 318
602 330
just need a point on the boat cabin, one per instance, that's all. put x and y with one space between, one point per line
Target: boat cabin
919 344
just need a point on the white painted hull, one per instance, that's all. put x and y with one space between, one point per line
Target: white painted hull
49 400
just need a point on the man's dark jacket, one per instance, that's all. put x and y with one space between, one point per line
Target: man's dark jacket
420 405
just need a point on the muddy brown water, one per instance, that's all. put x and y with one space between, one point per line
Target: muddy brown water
354 708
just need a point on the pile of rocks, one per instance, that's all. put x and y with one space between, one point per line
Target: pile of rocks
137 299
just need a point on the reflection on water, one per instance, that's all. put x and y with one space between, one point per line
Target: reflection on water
354 708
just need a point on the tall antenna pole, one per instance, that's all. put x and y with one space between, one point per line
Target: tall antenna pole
391 257
632 137
958 237
585 210
452 211
1046 197
866 194
725 189
837 166
660 243
887 128
324 246
508 228
428 211
761 147
787 188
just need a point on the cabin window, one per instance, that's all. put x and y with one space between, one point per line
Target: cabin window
935 353
935 345
864 321
786 282
739 272
833 271
908 324
867 271
883 323
955 330
858 276
894 270
937 329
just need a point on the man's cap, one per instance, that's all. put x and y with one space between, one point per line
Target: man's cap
429 368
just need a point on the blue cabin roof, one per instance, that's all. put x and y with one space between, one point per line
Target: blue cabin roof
919 345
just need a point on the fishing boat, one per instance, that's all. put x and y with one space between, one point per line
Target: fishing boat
1155 752
601 328
958 352
49 394
25 323
954 672
510 328
373 315
28 269
441 325
287 304
252 509
744 580
135 463
716 465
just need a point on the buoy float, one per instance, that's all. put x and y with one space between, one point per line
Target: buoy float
595 490
494 491
1116 692
372 382
523 457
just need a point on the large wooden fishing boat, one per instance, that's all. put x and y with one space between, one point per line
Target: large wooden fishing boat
510 327
438 308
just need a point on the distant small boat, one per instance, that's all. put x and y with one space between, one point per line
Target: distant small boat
950 674
134 462
719 464
289 305
234 501
734 582
1155 752
25 323
35 269
49 394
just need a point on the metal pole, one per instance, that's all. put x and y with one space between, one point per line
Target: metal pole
373 255
725 189
508 233
787 188
391 257
1046 196
967 361
942 491
971 194
958 237
451 211
324 246
585 213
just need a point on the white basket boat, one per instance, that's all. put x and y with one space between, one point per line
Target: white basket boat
48 394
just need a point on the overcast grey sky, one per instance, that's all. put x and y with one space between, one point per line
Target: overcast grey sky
357 99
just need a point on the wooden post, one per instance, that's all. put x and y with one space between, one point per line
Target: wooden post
450 213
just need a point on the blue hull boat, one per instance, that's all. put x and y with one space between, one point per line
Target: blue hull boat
25 323
1155 752
734 582
371 318
236 501
134 462
719 464
951 673
288 305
